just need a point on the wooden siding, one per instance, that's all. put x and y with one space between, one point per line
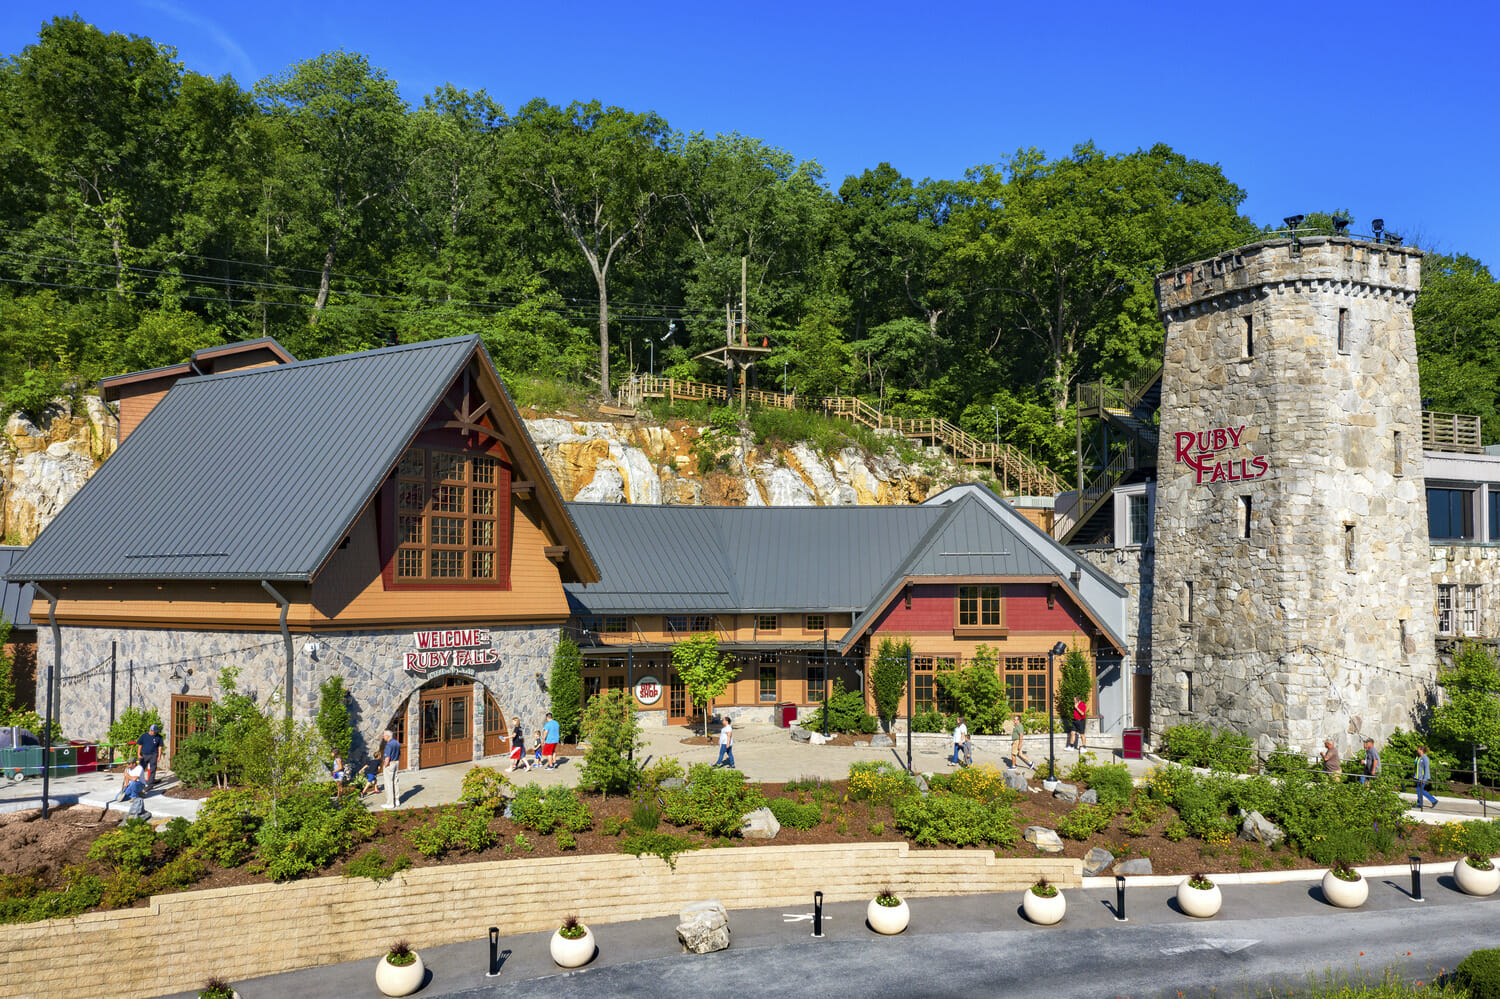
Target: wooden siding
136 401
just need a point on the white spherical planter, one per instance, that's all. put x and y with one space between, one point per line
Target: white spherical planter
573 953
1201 903
1473 881
400 980
1345 894
887 919
1043 911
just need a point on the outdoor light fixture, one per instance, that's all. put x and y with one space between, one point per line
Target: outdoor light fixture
494 953
1120 898
1416 878
1293 221
817 914
1056 650
1377 225
1339 225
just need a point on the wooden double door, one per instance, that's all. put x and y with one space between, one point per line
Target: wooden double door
446 722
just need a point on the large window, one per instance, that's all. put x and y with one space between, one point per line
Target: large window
979 607
1469 610
1494 514
1139 520
702 622
1450 513
447 517
1447 597
767 678
816 679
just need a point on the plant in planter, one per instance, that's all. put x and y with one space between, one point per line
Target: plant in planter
217 988
1198 896
572 944
1345 887
1043 903
1476 874
400 972
887 913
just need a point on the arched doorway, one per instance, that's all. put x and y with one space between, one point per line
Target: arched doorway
496 735
445 719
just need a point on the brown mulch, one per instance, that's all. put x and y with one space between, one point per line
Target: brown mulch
29 845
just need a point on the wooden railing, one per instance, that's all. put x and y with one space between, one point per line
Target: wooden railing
1015 471
1451 432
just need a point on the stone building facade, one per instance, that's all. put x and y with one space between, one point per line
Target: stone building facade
1293 596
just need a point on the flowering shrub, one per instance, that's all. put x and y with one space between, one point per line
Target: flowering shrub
879 782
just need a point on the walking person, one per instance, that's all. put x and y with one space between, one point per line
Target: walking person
960 736
1370 765
1017 736
1080 721
1424 777
518 749
390 764
150 745
726 745
551 736
1330 759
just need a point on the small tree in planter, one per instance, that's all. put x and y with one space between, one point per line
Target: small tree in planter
1043 903
572 944
1476 875
887 913
400 972
217 988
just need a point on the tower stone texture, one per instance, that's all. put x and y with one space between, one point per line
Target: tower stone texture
1292 598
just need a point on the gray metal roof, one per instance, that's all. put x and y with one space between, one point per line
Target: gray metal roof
15 598
252 474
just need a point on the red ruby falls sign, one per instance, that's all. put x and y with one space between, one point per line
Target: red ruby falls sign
1203 452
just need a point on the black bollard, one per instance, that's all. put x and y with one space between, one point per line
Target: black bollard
817 914
494 953
1416 879
1120 898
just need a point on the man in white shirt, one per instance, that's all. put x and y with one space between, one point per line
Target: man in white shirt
726 745
960 738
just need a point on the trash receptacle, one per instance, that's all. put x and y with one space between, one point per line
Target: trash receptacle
1131 743
786 714
88 756
63 761
25 761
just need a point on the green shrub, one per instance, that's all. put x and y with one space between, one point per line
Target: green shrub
24 900
888 677
566 840
879 782
714 801
555 808
1311 807
1481 837
131 725
649 778
333 717
1075 680
226 825
928 720
1197 746
1112 783
655 844
1349 846
846 713
613 825
1480 974
1283 761
436 837
312 828
565 688
483 786
1083 821
373 865
1176 831
645 816
955 820
127 849
789 813
178 874
1142 817
613 732
177 835
122 888
984 783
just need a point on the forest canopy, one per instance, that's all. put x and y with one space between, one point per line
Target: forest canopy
148 211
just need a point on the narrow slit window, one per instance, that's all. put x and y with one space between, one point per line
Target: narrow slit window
1245 508
1187 602
1248 350
1351 561
1343 331
1398 454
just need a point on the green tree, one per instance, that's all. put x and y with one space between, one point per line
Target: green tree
602 174
889 677
333 717
7 674
613 734
1470 712
565 687
1457 319
705 672
278 757
976 690
1074 680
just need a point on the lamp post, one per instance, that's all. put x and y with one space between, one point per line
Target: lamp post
1052 654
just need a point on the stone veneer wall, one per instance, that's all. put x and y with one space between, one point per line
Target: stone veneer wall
1471 565
151 665
1288 635
1132 568
178 940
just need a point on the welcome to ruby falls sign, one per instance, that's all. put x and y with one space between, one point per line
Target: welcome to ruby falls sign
460 648
1203 452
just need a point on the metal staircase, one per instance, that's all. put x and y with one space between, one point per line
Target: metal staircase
1120 448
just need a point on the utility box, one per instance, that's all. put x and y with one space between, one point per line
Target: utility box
25 761
88 756
786 714
1132 743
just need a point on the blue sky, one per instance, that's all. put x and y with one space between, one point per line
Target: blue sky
1385 109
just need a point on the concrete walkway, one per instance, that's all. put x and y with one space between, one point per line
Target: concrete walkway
1280 933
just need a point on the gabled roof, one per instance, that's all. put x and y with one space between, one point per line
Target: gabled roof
109 388
685 559
260 473
15 598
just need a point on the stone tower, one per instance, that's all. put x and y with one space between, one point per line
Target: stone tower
1292 601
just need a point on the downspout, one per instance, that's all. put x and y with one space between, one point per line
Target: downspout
286 636
52 676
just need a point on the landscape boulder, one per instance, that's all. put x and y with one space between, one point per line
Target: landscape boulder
1089 797
759 824
704 927
1260 829
799 734
1140 865
818 739
1066 792
1016 780
881 740
1044 839
1096 860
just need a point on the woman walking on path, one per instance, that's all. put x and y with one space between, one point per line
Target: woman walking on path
518 750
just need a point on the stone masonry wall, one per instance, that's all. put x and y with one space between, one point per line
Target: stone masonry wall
1461 565
1132 568
178 940
1293 630
151 665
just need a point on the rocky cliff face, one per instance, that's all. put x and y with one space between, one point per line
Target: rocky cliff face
41 467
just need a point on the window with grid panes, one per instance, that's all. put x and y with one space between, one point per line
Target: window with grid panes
1036 683
702 622
814 622
767 677
614 626
1445 602
945 702
766 622
922 683
1470 610
1015 682
816 678
677 624
447 511
978 606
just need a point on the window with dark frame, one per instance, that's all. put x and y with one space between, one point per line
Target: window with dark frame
702 622
1450 514
1446 600
615 625
1248 348
814 622
767 622
447 517
677 623
1245 511
1138 514
816 678
979 606
767 686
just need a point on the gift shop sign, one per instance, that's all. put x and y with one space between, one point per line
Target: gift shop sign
1203 452
460 648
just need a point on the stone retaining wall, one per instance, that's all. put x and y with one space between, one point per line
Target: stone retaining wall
179 940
